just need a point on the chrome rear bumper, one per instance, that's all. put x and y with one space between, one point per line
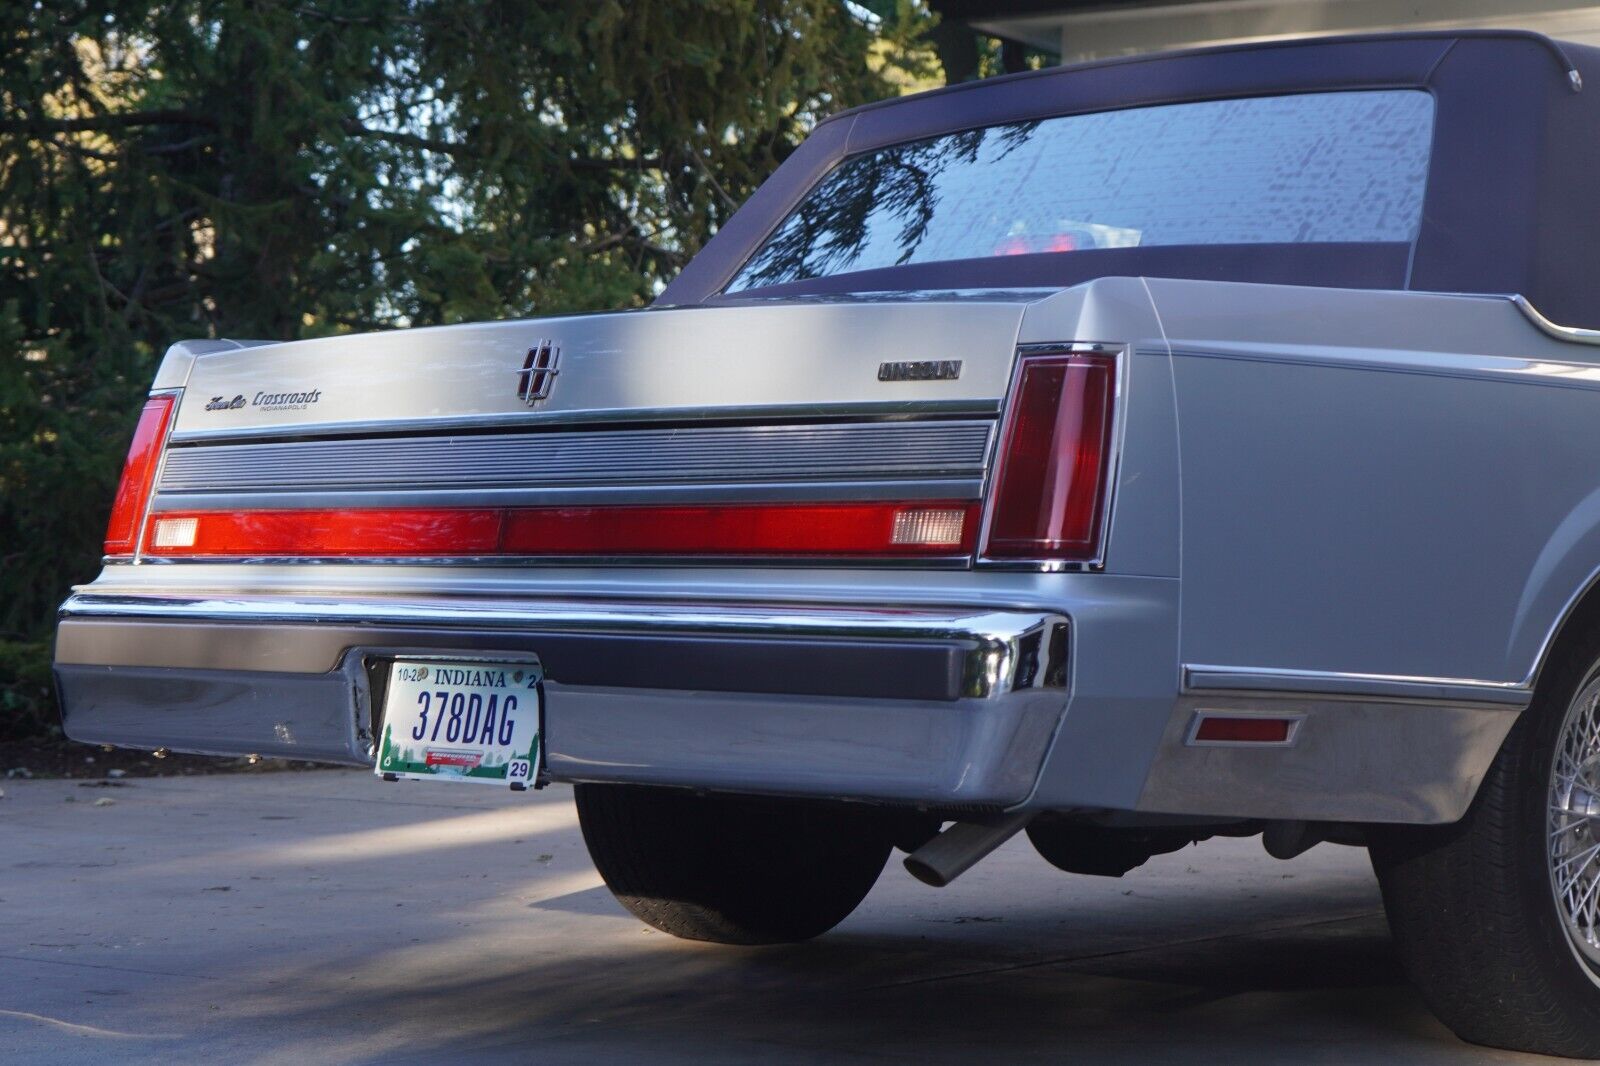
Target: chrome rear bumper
941 707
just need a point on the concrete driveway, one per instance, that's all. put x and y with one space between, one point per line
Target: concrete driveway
329 917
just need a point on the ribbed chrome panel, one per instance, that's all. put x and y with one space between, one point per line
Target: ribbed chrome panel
781 454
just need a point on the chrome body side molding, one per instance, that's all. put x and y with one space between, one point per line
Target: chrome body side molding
1385 688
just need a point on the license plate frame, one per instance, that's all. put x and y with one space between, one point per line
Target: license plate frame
493 709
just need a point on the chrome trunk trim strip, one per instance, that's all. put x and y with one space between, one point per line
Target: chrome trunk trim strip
579 496
543 419
614 459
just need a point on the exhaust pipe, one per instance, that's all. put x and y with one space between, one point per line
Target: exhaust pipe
957 849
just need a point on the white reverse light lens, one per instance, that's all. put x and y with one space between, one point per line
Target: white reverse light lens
939 526
176 532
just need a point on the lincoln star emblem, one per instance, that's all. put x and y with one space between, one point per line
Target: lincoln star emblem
538 373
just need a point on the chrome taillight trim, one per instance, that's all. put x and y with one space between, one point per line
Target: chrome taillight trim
1113 460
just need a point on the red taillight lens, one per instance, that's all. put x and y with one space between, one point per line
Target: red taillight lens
138 472
1050 482
838 529
750 529
417 531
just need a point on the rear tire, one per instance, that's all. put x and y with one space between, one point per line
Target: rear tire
1474 906
732 869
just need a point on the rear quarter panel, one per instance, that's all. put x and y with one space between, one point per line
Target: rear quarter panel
1379 483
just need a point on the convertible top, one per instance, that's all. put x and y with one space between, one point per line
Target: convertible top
1509 208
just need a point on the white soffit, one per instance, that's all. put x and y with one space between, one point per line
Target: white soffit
1158 26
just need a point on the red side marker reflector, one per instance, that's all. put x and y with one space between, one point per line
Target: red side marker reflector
138 472
1216 729
845 529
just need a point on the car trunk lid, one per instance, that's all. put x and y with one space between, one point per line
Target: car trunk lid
851 429
769 362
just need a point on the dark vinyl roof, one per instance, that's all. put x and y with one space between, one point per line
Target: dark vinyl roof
1515 166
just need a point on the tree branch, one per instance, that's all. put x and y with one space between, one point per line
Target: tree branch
78 149
705 168
181 146
340 20
411 140
463 150
119 121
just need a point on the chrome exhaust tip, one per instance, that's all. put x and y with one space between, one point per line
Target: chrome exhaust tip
957 849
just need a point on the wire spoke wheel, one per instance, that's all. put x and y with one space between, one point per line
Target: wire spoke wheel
1573 826
1497 916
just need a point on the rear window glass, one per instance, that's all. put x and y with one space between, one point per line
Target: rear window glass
1304 169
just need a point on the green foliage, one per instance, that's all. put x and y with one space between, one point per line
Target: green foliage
26 709
279 169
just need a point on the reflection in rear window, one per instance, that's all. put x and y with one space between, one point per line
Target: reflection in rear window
1313 168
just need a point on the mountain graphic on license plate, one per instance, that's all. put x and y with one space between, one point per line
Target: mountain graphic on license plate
462 721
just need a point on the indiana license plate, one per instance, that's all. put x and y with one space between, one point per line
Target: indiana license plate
461 721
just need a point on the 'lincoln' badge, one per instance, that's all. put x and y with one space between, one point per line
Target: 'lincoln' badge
538 373
927 370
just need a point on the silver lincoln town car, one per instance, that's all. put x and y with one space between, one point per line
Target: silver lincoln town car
1124 454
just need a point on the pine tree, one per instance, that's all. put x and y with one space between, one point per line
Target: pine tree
281 169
